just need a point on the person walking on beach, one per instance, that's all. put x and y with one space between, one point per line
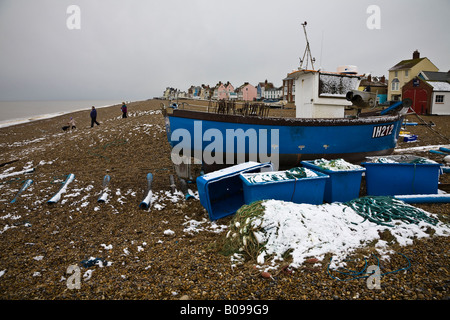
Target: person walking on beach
94 117
124 110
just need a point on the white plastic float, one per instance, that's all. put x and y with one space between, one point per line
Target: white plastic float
145 204
62 190
104 195
25 185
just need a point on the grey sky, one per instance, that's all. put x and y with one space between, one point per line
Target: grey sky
134 49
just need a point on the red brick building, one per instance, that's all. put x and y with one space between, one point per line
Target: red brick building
420 92
429 92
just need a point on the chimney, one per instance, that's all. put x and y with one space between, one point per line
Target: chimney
383 79
416 54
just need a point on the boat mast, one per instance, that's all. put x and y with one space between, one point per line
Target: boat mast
307 52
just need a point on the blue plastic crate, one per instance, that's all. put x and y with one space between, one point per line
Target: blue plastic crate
221 191
343 185
390 179
305 190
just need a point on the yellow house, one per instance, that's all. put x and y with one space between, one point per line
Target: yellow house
404 71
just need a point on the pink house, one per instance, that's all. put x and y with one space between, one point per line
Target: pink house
223 91
246 92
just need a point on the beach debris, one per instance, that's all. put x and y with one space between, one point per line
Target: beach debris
62 190
447 159
447 150
8 162
25 185
188 194
104 195
7 175
347 274
410 138
94 261
145 204
172 183
438 152
424 198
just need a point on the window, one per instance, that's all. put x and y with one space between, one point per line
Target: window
439 98
396 74
395 86
336 86
406 73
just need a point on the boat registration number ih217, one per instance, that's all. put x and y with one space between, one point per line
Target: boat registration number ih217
382 131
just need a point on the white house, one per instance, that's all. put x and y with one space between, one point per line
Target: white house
440 100
273 93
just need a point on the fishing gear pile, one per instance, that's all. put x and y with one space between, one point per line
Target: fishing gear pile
385 210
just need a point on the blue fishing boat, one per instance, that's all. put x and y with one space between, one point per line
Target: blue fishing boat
226 134
287 141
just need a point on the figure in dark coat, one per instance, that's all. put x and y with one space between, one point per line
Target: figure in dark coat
94 117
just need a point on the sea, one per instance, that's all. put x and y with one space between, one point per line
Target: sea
17 112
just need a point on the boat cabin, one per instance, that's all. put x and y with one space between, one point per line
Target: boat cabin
320 94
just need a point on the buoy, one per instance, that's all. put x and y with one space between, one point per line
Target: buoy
145 204
25 185
63 188
103 196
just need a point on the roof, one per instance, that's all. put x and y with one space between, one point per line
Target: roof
406 64
295 74
439 85
435 76
373 83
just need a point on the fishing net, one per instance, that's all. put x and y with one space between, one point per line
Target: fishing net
335 165
242 236
294 173
385 210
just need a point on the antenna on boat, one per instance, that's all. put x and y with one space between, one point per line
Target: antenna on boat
307 52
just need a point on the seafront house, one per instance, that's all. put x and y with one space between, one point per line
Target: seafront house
222 91
275 93
261 87
429 92
205 92
288 89
246 92
194 92
404 71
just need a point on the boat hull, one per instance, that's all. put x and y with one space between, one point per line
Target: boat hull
235 138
